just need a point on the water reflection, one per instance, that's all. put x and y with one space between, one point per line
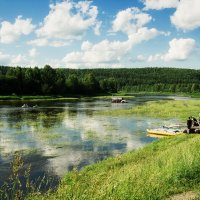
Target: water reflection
68 134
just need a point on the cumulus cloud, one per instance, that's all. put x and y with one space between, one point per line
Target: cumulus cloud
69 20
97 28
179 50
102 52
160 4
4 58
10 33
187 15
130 20
109 51
41 42
22 60
141 58
33 52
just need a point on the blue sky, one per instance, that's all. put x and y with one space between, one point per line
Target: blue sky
94 34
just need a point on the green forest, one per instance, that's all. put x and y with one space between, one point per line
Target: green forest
60 81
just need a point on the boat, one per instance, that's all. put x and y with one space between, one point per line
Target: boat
164 132
25 106
118 100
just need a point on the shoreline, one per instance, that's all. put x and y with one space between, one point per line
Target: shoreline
95 96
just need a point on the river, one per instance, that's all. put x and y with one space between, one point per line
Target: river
58 136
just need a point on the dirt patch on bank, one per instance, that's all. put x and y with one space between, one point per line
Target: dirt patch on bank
184 196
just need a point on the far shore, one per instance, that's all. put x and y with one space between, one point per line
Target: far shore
126 95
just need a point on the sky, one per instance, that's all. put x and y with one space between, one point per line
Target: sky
100 34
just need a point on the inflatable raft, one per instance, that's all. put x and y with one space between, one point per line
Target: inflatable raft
162 132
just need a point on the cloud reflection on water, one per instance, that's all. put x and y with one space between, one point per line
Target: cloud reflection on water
72 136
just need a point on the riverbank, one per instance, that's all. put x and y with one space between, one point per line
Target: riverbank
35 98
125 95
60 98
160 170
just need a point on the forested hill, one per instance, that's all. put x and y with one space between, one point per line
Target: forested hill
47 80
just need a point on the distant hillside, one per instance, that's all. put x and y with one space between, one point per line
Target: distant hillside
50 81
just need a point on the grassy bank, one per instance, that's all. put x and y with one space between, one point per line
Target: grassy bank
35 98
162 109
158 171
183 94
72 97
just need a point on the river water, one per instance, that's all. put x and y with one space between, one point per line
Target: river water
57 136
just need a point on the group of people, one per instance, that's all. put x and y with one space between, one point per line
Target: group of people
193 125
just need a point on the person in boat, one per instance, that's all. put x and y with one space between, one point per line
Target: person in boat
196 123
25 106
190 124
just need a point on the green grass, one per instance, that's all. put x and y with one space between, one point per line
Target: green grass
160 170
35 98
195 95
162 109
9 98
115 95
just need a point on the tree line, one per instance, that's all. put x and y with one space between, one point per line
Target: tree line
60 81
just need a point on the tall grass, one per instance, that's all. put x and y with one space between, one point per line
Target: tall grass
19 183
160 170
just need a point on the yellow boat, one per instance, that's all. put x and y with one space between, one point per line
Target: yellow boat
161 132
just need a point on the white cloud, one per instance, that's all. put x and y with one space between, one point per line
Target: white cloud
4 58
10 33
97 28
22 60
33 52
179 50
141 58
130 20
41 42
108 51
69 20
144 34
103 52
38 42
160 4
187 15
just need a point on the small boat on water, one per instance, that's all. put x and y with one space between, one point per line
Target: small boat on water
164 132
118 100
25 106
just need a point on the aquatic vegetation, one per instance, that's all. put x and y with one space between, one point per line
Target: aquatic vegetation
19 183
123 95
110 127
162 109
1 124
91 135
